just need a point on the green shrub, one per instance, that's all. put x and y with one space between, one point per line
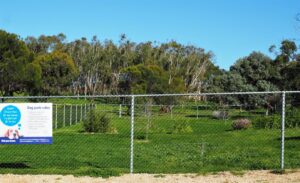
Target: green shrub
181 127
267 122
140 137
241 124
97 122
292 118
292 122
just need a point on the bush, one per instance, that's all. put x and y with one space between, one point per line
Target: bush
182 127
220 114
267 122
241 124
140 137
165 109
292 122
97 122
292 118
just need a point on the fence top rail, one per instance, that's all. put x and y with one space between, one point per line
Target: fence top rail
150 95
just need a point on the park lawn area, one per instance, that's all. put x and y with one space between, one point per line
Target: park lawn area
210 145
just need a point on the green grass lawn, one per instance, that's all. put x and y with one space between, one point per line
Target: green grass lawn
209 145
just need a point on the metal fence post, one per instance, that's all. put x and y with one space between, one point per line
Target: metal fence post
282 131
132 134
71 114
84 111
76 113
55 116
80 112
64 115
197 112
120 110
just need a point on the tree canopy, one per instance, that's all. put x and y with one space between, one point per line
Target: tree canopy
14 60
50 65
57 72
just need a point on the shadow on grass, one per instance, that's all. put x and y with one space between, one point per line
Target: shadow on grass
240 116
199 116
20 165
290 138
233 117
94 165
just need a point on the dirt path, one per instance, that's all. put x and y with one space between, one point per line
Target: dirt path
223 177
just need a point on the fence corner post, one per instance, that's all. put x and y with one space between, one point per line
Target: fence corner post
282 131
132 134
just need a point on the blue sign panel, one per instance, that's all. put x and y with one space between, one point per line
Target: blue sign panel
26 123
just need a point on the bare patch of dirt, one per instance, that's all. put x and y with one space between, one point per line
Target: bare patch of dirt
222 177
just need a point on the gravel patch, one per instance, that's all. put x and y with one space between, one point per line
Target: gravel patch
222 177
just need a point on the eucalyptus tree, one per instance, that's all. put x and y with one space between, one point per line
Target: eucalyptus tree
256 67
45 44
57 72
251 73
127 51
197 63
171 59
15 58
93 69
188 62
146 54
112 57
285 63
150 79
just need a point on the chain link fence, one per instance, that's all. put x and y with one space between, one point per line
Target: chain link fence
175 133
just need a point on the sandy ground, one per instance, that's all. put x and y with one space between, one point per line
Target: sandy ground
223 177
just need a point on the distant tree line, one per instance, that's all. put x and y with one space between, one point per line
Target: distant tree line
50 65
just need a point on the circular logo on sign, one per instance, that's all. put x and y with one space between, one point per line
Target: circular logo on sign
10 115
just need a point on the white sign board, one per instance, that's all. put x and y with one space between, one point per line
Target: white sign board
26 123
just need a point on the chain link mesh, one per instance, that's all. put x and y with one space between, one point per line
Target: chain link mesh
91 136
212 133
292 131
172 134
